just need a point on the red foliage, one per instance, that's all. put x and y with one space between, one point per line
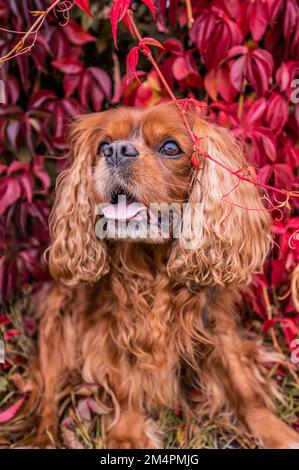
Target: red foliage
84 5
240 57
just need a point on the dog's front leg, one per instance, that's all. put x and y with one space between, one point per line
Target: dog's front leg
240 376
56 359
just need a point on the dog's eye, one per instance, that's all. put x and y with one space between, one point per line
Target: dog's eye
102 146
169 149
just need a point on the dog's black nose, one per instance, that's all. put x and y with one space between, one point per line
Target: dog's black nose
120 152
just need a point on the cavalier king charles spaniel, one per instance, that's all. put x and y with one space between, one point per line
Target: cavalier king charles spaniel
149 317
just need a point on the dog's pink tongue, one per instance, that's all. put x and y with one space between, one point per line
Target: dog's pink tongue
123 210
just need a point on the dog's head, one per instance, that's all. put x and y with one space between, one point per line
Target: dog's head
131 172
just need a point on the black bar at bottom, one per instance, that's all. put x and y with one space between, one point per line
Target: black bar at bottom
145 458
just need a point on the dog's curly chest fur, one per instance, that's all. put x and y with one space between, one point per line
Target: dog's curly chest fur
142 328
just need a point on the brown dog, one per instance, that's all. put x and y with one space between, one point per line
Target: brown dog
150 318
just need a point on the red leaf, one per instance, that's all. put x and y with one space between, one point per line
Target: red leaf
282 175
97 98
10 192
117 13
266 139
236 50
13 129
259 70
4 320
258 19
83 5
210 83
256 111
29 325
103 80
11 334
3 169
70 84
10 412
68 65
282 77
85 89
265 173
173 45
17 167
151 6
132 61
151 42
40 98
26 181
70 107
289 328
267 324
296 114
212 28
84 410
277 271
180 68
277 112
224 85
76 34
237 72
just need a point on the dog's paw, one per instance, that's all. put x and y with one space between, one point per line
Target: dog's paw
272 432
133 431
286 439
294 445
47 433
43 441
127 442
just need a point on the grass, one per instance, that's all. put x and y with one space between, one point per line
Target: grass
80 411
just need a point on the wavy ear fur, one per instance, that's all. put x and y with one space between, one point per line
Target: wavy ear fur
229 243
75 254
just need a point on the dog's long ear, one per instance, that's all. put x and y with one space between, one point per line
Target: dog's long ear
75 254
226 243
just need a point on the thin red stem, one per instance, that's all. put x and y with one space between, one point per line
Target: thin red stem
150 57
160 74
257 183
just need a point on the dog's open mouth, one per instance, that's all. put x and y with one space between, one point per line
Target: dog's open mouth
125 218
124 208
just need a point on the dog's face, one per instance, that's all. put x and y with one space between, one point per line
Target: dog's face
127 160
141 173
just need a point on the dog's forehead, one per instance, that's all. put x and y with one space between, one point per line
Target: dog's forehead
163 119
146 123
